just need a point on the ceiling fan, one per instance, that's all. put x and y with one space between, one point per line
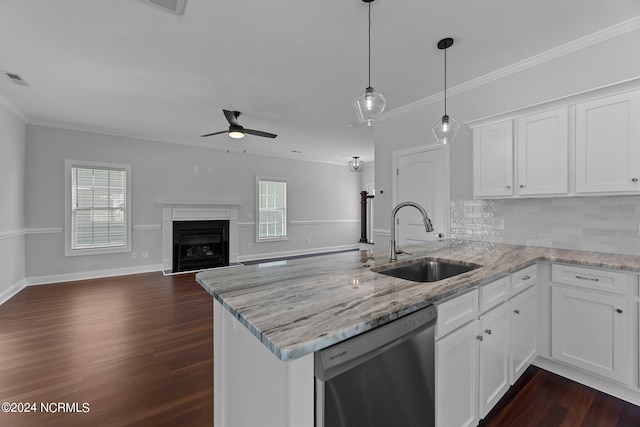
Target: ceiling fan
237 131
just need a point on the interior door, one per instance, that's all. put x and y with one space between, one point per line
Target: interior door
422 177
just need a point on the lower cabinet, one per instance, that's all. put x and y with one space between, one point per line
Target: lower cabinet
457 378
589 331
493 357
522 312
478 362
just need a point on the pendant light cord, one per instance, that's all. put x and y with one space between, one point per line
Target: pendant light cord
369 44
445 81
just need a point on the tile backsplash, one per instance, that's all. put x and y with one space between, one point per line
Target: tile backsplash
603 224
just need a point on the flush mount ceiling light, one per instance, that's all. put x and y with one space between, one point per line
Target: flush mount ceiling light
446 128
356 165
370 104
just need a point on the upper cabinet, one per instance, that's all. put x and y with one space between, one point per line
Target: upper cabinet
608 144
493 160
585 147
542 152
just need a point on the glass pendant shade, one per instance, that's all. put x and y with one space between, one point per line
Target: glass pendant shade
356 165
369 105
446 129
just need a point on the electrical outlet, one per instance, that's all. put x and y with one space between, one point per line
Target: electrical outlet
195 169
308 241
210 170
249 246
144 254
498 223
134 255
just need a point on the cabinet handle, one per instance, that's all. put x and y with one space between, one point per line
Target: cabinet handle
588 278
618 310
516 311
526 278
634 179
488 331
479 338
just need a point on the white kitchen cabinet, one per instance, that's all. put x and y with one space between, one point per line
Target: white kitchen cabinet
456 378
493 357
608 144
542 146
493 160
589 331
522 312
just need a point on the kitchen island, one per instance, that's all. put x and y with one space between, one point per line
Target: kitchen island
270 318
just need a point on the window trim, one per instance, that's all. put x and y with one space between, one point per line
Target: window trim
68 164
286 209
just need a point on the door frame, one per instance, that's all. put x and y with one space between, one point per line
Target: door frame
446 170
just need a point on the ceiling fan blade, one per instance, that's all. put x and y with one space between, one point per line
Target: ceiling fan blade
232 117
215 133
259 133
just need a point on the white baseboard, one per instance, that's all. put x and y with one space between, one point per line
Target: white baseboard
13 290
602 384
83 275
284 254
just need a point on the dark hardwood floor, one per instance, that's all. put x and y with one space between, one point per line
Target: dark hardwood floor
138 349
542 399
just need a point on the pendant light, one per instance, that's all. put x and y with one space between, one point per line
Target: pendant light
356 165
370 104
446 128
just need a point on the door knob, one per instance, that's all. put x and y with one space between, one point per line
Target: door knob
516 311
479 337
618 310
488 331
634 179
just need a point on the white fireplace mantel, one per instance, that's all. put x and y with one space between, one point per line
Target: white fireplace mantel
197 211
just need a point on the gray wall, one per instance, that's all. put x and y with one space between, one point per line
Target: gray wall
601 64
12 205
326 195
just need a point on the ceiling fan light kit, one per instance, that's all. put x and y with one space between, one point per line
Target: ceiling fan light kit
236 131
446 129
370 104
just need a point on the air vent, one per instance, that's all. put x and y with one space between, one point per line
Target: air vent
173 6
17 79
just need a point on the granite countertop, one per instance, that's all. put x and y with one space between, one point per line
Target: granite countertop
299 306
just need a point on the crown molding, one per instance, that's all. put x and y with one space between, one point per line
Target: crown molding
13 109
614 31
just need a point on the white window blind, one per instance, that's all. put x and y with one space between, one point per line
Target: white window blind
98 207
272 209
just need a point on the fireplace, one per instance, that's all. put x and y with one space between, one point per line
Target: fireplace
200 244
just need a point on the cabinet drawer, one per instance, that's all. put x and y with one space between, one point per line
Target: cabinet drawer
456 312
522 279
494 293
588 278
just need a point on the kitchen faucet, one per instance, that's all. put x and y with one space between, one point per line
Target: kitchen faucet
427 226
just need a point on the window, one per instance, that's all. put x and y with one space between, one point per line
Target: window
98 208
272 209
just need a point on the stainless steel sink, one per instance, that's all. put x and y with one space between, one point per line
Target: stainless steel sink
427 270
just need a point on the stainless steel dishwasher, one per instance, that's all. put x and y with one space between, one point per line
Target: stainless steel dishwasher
384 377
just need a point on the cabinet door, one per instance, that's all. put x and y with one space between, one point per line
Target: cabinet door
456 378
608 144
493 160
589 331
543 147
523 333
493 357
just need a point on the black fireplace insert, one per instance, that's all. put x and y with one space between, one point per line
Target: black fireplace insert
200 244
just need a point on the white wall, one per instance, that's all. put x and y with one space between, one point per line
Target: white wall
325 198
601 64
12 205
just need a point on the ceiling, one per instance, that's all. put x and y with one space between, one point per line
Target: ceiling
291 67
